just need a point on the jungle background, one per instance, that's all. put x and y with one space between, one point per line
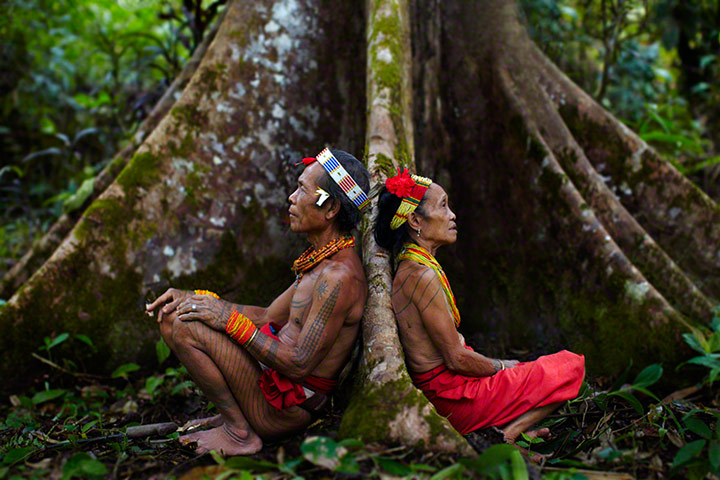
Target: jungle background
77 80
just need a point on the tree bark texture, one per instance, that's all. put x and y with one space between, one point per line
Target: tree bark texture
573 231
203 202
384 405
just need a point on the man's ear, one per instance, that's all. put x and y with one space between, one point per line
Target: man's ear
333 208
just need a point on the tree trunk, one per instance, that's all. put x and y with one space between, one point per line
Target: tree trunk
384 405
573 231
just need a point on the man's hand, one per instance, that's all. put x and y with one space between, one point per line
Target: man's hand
172 297
207 309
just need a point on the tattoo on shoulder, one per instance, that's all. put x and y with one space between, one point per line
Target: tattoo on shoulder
321 287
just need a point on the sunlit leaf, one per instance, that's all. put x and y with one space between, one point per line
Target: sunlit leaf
76 200
85 339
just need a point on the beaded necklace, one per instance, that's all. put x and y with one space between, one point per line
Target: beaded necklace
312 257
411 251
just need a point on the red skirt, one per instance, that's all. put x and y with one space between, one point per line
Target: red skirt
283 393
470 403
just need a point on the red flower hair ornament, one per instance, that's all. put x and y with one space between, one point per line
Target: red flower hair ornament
401 184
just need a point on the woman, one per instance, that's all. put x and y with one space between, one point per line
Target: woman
471 390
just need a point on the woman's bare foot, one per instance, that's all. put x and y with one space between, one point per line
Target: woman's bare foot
225 440
190 425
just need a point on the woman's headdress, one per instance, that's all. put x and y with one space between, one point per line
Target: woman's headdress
411 189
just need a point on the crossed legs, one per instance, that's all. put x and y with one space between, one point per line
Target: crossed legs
228 376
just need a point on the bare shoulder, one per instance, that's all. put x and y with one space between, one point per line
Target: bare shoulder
411 275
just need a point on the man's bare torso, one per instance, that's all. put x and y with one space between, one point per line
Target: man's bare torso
313 287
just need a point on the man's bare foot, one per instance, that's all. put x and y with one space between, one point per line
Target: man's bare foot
224 440
191 425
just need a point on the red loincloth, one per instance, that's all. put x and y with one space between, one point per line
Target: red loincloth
470 403
280 391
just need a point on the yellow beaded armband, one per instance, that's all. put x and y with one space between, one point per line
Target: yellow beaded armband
207 292
240 328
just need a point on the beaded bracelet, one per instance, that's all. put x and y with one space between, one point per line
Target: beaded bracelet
207 292
240 328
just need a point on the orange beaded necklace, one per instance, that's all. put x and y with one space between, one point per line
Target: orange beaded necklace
312 257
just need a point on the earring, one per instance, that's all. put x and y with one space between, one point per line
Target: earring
418 230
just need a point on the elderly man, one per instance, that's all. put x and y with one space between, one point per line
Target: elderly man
269 371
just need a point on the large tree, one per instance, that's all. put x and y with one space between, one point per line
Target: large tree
572 230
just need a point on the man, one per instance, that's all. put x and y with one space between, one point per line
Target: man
268 371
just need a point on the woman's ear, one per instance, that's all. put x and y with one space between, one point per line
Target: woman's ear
413 220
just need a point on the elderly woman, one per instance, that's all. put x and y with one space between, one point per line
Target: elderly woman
470 389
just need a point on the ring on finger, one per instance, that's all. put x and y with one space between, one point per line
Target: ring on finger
194 307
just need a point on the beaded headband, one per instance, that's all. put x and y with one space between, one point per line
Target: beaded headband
338 173
411 189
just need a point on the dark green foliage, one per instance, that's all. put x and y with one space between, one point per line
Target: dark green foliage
76 80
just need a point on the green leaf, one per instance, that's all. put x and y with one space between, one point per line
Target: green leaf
85 339
453 471
494 458
648 376
247 463
76 200
630 398
422 467
47 395
57 340
152 383
698 427
181 386
123 370
686 453
82 464
696 341
351 443
162 351
323 451
15 454
714 456
394 467
88 426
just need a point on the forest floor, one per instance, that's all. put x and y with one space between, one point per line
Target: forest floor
79 429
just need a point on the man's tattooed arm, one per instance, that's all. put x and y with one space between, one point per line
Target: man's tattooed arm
328 309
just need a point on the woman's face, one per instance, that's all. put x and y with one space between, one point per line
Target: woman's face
437 223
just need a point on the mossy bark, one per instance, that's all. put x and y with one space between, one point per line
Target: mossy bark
203 202
385 406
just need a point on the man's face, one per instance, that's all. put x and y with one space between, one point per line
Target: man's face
305 215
